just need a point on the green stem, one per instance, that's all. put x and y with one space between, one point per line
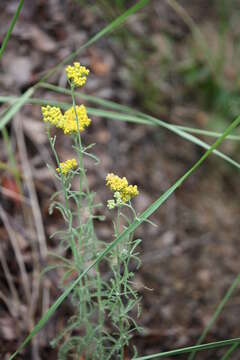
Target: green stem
69 214
80 144
84 181
118 280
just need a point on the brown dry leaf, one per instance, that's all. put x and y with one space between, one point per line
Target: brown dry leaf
34 129
201 118
40 40
8 328
98 64
18 68
12 191
103 136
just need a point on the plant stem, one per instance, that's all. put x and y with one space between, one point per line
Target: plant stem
84 181
69 214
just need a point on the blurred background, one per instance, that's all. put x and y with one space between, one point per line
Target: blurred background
177 61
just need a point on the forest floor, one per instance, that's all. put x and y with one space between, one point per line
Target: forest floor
191 258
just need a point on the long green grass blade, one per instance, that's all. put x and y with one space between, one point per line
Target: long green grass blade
229 352
153 121
130 229
206 132
125 109
107 30
193 139
15 108
91 99
216 314
134 119
209 346
10 29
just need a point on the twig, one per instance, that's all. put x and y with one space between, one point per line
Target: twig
13 195
9 277
37 218
17 251
9 304
31 188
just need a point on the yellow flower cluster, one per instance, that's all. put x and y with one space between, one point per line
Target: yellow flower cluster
129 192
66 166
120 185
115 182
77 74
68 121
52 114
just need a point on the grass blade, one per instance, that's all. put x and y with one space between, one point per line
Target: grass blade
134 119
108 29
193 139
213 345
130 229
91 99
10 29
16 106
125 109
206 132
230 351
216 314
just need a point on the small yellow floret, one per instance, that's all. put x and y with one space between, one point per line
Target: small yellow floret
129 192
70 124
52 114
77 74
120 186
115 182
66 166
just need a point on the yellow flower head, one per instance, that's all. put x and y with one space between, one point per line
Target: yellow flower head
121 188
77 74
115 182
66 122
129 192
66 166
70 124
52 114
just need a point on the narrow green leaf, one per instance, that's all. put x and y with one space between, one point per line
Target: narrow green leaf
15 107
134 119
107 30
216 314
91 99
10 29
209 346
206 132
127 110
130 229
229 352
149 119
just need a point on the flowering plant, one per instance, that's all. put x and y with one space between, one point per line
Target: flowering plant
102 323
